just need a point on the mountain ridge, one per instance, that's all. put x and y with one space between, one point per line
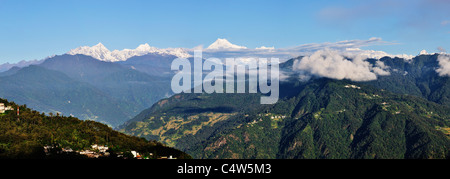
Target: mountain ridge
367 119
326 110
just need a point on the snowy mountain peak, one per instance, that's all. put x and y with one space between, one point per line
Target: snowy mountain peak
222 44
100 52
99 45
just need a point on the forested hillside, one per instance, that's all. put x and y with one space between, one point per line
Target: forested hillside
25 136
321 118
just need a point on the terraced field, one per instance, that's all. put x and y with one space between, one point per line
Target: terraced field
175 127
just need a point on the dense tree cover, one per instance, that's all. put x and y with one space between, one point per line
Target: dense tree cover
331 121
24 136
415 77
321 118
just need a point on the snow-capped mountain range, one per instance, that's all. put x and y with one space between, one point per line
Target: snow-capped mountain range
100 52
222 48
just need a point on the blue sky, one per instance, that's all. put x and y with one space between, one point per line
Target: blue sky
31 29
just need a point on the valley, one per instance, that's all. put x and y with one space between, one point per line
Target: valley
400 115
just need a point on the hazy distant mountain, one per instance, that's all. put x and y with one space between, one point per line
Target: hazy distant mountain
82 67
51 91
85 87
152 64
23 63
120 82
10 71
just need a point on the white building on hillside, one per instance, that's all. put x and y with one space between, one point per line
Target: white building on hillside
3 108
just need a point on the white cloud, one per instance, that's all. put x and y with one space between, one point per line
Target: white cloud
265 48
332 64
423 52
375 54
444 65
442 50
222 48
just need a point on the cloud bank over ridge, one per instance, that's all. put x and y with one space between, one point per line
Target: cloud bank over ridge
333 64
222 48
444 65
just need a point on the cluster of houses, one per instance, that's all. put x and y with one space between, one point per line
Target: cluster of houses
3 109
352 86
136 155
272 116
277 117
96 151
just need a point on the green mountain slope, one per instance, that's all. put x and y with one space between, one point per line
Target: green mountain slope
335 121
188 117
415 77
321 118
26 137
